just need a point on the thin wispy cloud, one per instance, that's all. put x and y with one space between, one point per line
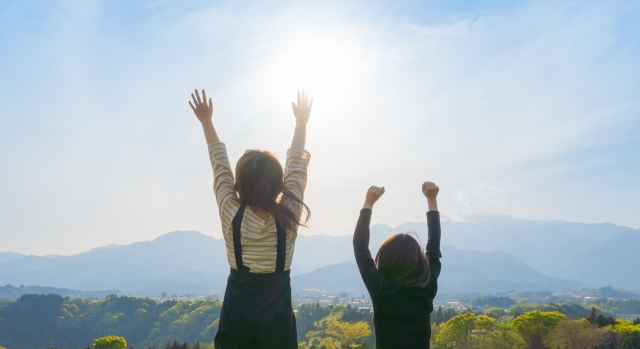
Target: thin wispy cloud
530 111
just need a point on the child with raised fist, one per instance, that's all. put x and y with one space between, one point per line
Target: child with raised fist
402 280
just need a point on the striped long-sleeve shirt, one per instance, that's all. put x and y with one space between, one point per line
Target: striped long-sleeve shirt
258 236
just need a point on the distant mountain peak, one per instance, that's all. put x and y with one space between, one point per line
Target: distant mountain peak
8 256
480 217
182 234
107 247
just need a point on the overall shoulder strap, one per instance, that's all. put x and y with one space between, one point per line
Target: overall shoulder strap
237 247
282 247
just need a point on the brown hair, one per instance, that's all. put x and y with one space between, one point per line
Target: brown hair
260 182
401 260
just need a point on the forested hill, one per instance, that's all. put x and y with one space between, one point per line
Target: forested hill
47 321
39 321
52 321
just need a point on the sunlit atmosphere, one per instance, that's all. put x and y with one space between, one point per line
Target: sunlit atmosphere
471 169
528 109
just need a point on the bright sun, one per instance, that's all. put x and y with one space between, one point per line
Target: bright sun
321 64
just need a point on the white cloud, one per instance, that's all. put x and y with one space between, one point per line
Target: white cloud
506 111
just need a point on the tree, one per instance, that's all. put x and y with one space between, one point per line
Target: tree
327 343
177 345
576 335
319 343
484 324
501 302
600 320
342 327
110 342
443 315
503 337
457 332
611 340
535 326
435 329
347 332
593 314
630 333
495 313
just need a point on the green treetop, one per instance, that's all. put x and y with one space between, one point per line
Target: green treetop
536 325
457 332
110 342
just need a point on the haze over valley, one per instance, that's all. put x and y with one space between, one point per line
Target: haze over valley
496 253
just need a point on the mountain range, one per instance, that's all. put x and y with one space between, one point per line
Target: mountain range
490 253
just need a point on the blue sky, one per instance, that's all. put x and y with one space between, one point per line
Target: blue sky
525 108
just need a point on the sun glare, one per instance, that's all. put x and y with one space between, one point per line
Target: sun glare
322 65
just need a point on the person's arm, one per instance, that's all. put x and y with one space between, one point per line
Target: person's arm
301 111
430 191
373 279
223 182
204 113
295 170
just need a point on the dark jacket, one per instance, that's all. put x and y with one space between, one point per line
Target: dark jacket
401 314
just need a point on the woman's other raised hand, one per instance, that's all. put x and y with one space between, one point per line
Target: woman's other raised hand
302 110
430 190
203 111
373 194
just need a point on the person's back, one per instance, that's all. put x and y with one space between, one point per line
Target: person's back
402 318
260 211
402 282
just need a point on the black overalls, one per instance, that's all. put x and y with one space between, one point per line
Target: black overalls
256 311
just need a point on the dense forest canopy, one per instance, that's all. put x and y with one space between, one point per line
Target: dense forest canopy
47 321
40 321
43 321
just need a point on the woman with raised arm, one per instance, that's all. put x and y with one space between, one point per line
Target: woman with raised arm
260 211
403 280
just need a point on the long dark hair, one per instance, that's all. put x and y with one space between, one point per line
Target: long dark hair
401 260
260 182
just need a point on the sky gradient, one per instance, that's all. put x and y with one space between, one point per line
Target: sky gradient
524 108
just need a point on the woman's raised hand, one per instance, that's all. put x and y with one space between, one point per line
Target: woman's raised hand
430 190
303 109
203 111
373 194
